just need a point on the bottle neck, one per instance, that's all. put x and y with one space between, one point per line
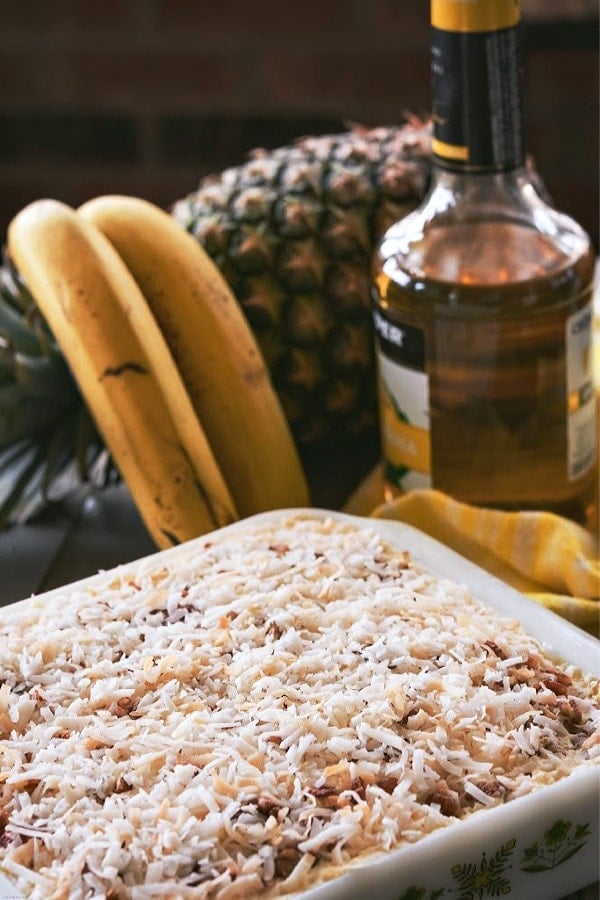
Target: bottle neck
507 184
477 75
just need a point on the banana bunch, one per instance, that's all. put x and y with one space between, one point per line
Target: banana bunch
165 361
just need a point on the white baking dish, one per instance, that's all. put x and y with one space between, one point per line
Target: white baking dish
543 845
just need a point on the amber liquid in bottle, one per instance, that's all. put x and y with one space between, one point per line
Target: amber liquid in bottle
493 300
482 297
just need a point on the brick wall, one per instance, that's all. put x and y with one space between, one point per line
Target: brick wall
146 96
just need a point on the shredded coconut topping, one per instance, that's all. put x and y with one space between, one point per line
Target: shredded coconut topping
262 712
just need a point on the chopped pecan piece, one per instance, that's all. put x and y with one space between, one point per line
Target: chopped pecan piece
267 805
324 791
92 743
446 799
521 674
286 861
448 805
534 661
388 783
558 683
29 785
274 631
358 786
571 716
329 797
122 785
184 607
3 823
495 649
491 787
125 705
337 777
280 549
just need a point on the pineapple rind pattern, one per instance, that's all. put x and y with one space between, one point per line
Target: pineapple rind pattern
292 231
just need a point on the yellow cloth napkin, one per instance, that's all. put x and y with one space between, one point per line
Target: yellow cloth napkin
549 558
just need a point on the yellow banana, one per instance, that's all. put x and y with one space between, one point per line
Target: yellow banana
103 324
215 351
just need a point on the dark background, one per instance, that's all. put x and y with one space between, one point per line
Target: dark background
146 96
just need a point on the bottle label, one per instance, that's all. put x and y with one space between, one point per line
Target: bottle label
581 398
477 74
403 402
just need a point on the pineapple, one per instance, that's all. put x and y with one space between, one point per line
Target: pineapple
292 231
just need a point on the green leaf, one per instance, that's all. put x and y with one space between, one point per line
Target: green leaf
14 326
536 867
571 851
557 833
24 469
414 892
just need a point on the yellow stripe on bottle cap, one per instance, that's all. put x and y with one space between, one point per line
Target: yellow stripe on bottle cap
474 15
450 151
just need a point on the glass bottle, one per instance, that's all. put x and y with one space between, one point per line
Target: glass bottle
482 298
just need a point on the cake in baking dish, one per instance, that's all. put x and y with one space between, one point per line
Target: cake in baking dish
260 712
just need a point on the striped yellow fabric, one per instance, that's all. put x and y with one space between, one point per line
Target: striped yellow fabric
550 558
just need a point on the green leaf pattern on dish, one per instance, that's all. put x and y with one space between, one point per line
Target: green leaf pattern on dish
559 843
490 878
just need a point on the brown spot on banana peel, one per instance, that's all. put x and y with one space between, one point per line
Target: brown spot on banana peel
219 514
255 376
172 538
115 371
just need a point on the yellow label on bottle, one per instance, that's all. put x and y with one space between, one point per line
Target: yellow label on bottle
405 444
474 15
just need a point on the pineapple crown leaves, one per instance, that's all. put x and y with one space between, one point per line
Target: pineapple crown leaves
32 368
47 439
